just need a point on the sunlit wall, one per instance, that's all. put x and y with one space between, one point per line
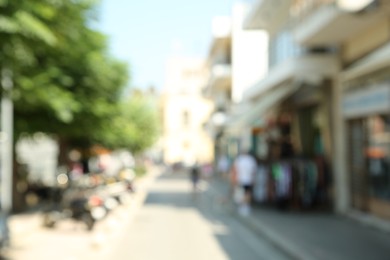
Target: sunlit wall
185 112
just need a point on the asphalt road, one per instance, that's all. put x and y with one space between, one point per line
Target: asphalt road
174 223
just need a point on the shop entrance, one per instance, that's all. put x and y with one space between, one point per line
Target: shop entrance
358 164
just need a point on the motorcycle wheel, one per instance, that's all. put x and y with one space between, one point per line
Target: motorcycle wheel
48 221
89 221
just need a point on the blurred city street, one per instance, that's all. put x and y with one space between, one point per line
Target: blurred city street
176 224
253 129
166 220
173 223
70 240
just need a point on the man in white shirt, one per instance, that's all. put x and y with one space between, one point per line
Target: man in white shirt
245 167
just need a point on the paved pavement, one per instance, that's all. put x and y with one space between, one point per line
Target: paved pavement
175 224
315 235
70 240
165 220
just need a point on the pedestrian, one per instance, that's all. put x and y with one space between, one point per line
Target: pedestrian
244 169
223 166
195 175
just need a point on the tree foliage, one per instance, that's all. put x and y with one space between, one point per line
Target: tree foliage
65 81
136 126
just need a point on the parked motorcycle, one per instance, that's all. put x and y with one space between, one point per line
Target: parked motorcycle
80 203
117 190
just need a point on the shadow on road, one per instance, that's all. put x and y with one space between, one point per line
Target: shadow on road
175 191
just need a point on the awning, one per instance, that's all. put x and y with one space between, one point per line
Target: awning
255 110
375 61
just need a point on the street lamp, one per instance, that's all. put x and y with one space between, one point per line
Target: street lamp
219 119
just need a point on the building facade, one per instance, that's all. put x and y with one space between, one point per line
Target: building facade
242 57
185 112
326 94
360 33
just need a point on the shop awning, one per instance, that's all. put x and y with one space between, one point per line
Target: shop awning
281 81
255 110
375 61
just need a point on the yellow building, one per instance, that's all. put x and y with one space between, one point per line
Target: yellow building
185 112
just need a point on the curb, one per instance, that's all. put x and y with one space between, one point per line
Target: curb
277 240
369 221
273 237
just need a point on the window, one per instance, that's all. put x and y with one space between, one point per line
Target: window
186 119
378 156
282 48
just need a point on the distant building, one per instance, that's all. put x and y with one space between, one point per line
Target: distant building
184 113
237 60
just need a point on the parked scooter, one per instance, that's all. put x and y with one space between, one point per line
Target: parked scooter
117 189
79 202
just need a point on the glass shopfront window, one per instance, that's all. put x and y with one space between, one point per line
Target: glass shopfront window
378 156
283 47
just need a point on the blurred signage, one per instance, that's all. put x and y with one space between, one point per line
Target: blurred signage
257 130
369 101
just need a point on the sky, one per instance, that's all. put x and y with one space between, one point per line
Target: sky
145 33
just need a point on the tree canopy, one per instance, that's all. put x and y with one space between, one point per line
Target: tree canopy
137 125
65 81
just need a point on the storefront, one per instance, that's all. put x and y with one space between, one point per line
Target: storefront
366 110
304 119
293 147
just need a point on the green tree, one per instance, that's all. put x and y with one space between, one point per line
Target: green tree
136 127
65 81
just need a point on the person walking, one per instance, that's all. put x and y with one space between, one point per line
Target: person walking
195 172
223 166
244 169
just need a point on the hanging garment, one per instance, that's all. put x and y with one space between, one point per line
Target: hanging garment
283 180
310 183
261 184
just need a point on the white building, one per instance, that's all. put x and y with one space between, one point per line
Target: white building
185 112
237 59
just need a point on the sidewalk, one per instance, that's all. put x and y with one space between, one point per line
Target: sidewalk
24 223
315 236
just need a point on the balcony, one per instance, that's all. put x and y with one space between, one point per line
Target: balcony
307 68
328 25
282 81
219 60
220 79
269 15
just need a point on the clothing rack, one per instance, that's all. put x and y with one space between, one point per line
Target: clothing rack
293 184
